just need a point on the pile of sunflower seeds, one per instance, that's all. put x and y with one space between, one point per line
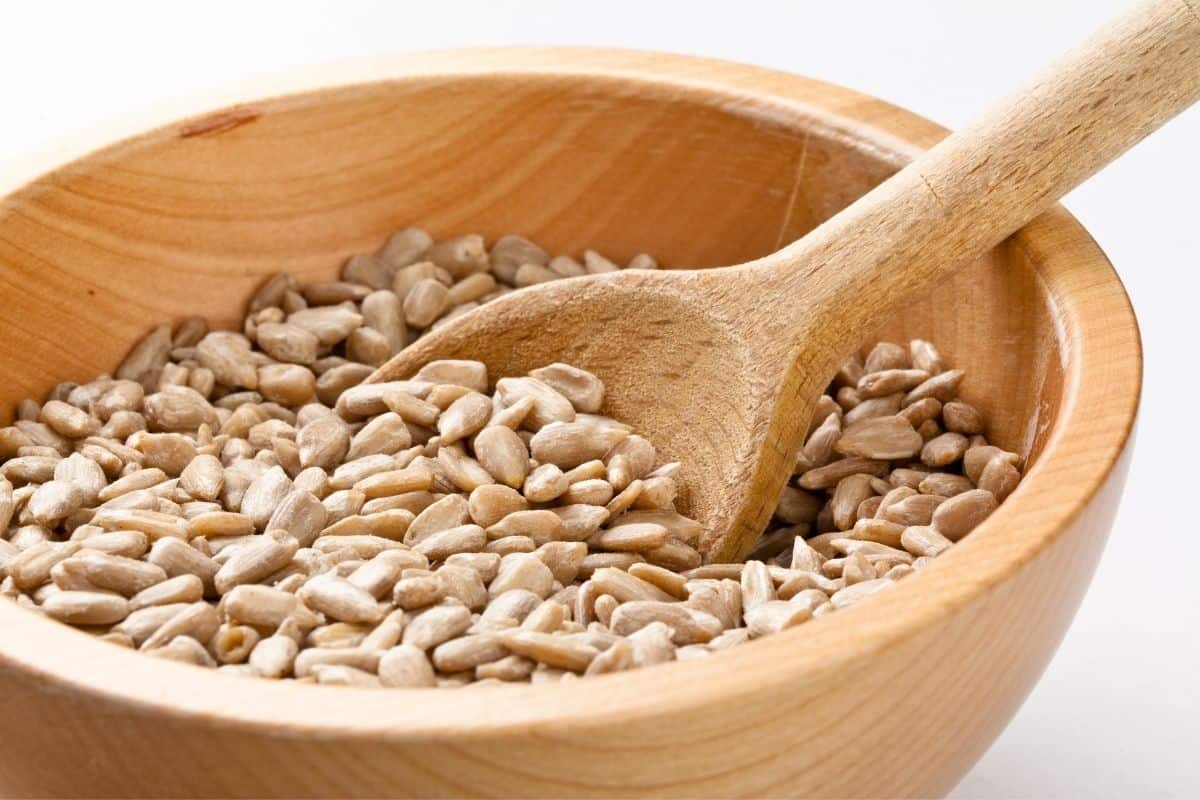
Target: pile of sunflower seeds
241 500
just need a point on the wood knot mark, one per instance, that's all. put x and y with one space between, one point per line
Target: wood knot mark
218 123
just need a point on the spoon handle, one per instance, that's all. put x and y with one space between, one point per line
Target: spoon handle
983 182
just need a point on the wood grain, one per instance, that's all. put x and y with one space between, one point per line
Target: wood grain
699 162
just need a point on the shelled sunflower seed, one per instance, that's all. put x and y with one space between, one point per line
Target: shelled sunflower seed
240 500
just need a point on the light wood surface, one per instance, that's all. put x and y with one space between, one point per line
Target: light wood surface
725 371
699 162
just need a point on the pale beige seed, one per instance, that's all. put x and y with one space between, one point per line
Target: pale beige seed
288 343
569 444
959 515
689 625
632 537
877 530
945 484
547 617
232 644
507 545
522 571
323 443
594 492
330 324
86 608
459 255
922 412
418 591
363 546
916 509
882 438
582 388
441 545
449 512
308 659
436 625
131 544
177 558
624 586
563 559
273 656
1000 478
67 420
197 620
757 585
180 589
503 454
887 355
468 652
486 565
540 525
491 503
216 524
798 582
856 568
150 352
828 476
465 417
228 356
465 473
548 405
464 585
185 650
514 604
962 418
203 478
775 616
386 634
301 515
944 449
850 492
532 274
31 567
804 558
340 599
385 434
406 667
545 484
942 386
553 650
588 471
509 669
580 521
170 452
859 591
124 576
871 408
179 409
395 481
405 247
264 495
267 607
378 576
889 381
977 458
252 562
84 474
923 540
53 502
288 384
425 302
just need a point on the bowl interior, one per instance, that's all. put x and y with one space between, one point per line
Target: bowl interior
189 218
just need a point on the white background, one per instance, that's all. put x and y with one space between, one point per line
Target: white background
1117 712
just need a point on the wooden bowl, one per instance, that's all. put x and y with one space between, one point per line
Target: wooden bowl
699 162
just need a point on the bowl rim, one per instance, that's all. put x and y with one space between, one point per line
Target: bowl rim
1092 431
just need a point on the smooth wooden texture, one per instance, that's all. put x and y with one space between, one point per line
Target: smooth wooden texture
724 371
698 162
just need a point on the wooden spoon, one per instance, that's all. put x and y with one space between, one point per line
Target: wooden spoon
721 367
